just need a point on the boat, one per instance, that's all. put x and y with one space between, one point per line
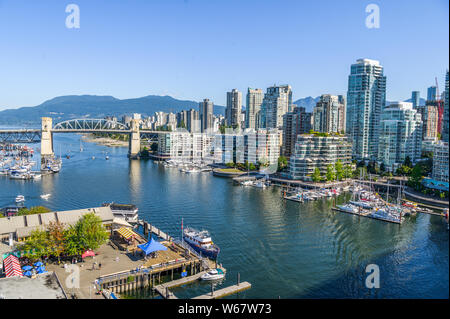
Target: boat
259 184
201 242
127 212
348 208
213 274
361 204
20 198
45 196
107 157
247 183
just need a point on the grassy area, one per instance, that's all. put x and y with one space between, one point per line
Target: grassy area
229 170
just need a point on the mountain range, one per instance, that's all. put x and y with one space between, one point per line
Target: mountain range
93 106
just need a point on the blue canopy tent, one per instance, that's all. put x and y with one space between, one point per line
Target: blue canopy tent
41 270
38 264
28 273
27 268
152 246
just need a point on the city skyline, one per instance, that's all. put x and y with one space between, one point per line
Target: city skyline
109 55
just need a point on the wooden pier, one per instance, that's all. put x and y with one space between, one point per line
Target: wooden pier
163 289
226 291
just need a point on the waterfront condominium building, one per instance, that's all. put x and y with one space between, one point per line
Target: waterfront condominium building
253 107
296 122
234 108
316 151
277 102
445 124
206 111
440 162
184 146
400 135
415 98
366 98
329 114
432 94
430 117
252 146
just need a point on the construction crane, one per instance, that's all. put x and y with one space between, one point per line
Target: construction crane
440 108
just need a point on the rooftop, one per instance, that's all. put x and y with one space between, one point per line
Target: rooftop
44 286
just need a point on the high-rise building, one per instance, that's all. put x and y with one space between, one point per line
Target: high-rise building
440 162
366 98
193 121
432 94
296 122
445 124
234 108
415 98
430 118
329 114
206 110
277 102
250 146
253 106
400 135
314 151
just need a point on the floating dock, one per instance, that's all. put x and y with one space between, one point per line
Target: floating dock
226 291
368 215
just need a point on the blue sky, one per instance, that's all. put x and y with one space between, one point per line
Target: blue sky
195 49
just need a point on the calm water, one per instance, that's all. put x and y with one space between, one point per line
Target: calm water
282 248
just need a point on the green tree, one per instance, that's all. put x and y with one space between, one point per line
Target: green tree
91 232
348 172
72 242
415 179
282 163
331 176
316 176
37 243
404 170
181 124
33 210
56 238
339 170
408 162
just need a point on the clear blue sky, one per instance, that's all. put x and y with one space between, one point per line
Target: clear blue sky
194 49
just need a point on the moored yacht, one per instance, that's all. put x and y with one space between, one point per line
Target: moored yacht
201 242
20 198
213 274
127 212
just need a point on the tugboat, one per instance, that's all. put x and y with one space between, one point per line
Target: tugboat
201 242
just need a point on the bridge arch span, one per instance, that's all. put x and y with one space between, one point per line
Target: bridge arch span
92 125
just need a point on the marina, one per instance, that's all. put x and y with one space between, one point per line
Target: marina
251 226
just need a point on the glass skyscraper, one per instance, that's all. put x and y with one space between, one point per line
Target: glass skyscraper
432 93
366 98
415 98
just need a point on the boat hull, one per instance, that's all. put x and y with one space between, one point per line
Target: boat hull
203 251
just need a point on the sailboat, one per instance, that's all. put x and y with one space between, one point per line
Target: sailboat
81 146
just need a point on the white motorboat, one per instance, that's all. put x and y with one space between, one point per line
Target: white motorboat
20 198
247 183
259 184
348 208
213 274
45 196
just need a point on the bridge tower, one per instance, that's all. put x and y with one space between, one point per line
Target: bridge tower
46 139
134 146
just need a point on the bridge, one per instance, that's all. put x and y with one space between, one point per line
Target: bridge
45 134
